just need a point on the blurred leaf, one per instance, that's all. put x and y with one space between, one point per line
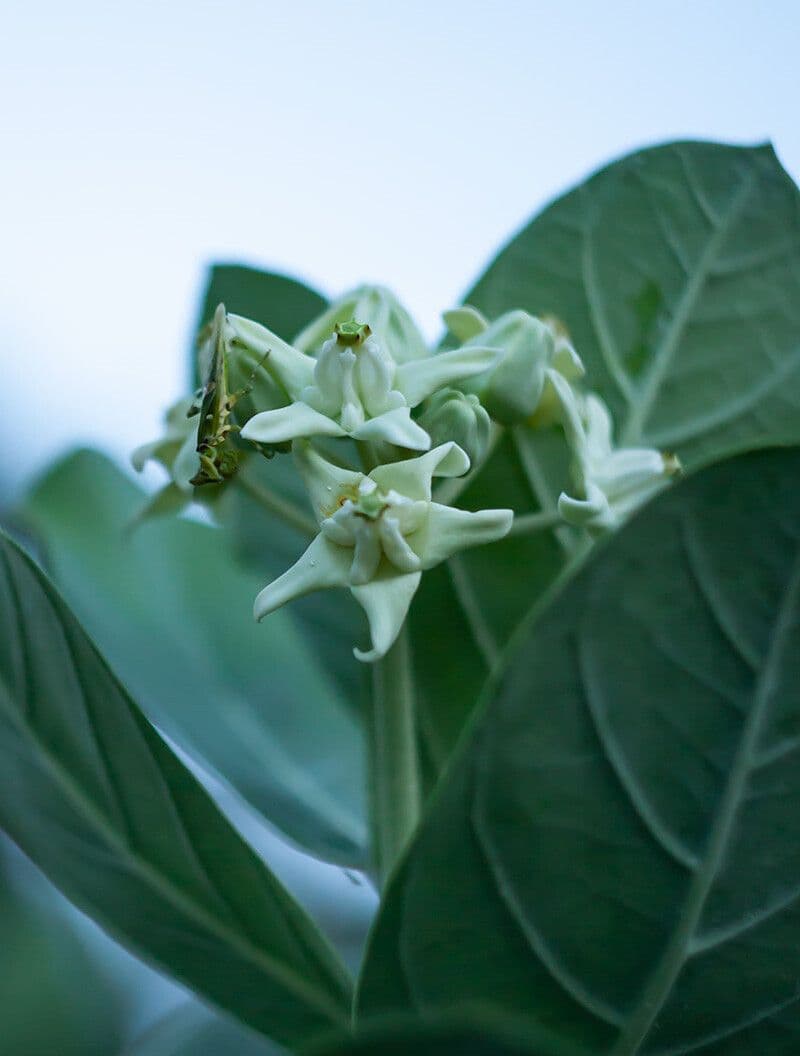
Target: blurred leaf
92 794
677 273
249 699
195 1031
54 997
614 852
283 304
434 1038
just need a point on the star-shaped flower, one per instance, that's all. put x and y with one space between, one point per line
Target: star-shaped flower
610 482
354 387
378 533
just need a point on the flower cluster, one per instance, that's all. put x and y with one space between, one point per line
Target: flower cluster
362 376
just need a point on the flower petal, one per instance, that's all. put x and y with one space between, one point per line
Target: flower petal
465 322
591 512
385 600
395 427
395 546
412 476
325 482
390 322
292 369
187 463
450 530
294 422
366 555
420 377
323 565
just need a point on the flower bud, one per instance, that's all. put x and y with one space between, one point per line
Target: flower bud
380 309
453 415
511 391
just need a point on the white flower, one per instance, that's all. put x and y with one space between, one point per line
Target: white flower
353 388
380 309
611 483
378 533
176 450
516 387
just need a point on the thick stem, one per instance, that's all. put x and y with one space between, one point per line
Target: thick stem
396 794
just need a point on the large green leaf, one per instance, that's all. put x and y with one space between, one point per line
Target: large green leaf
195 1031
677 272
93 795
614 852
243 697
444 1038
54 996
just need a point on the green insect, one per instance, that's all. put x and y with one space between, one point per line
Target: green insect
219 457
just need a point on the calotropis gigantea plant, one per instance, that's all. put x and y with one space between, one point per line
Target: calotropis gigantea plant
558 729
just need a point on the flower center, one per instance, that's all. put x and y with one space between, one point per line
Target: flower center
375 524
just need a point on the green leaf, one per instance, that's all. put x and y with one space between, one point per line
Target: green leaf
677 273
490 1037
195 1031
614 850
46 969
243 697
283 304
93 795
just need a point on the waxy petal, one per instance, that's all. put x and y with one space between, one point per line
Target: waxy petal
323 565
366 554
292 369
395 546
412 477
376 305
294 422
465 322
395 427
186 463
421 377
450 530
386 601
592 512
325 482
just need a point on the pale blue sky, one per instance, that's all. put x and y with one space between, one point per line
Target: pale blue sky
398 143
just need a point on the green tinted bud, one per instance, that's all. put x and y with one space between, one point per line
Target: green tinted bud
453 415
465 322
376 306
511 391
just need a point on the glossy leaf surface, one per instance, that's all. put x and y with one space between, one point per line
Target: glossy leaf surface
94 796
677 272
614 852
243 697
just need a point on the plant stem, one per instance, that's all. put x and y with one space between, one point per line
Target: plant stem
283 508
395 787
528 523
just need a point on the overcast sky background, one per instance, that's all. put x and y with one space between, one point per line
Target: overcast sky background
342 142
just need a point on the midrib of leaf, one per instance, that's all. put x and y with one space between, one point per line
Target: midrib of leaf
152 876
644 400
666 971
594 302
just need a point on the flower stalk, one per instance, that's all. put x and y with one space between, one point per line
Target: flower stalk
395 785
